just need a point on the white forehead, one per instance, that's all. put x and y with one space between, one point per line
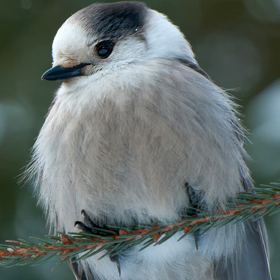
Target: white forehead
162 37
70 40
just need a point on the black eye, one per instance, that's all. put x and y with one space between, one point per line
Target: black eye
104 48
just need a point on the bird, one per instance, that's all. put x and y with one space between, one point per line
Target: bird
138 133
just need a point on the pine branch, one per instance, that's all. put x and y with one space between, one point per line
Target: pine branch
264 200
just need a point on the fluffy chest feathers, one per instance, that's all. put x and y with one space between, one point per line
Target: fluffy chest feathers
129 160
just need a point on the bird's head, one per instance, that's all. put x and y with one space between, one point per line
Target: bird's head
104 37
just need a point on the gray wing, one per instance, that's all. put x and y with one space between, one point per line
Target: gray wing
252 263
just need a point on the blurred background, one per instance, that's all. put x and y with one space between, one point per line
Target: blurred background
237 42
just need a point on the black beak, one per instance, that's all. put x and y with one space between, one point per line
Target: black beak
61 73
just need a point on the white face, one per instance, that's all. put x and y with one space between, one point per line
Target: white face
72 46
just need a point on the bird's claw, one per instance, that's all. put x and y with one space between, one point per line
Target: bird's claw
89 226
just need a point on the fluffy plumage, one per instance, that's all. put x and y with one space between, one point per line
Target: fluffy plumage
126 134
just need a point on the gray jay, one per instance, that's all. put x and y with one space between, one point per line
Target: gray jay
137 133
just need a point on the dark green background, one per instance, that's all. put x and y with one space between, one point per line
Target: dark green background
237 42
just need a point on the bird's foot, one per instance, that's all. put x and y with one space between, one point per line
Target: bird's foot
195 206
89 226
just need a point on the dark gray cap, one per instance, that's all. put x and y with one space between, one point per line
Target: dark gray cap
112 20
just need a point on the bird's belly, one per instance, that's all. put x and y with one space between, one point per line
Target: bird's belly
118 169
134 177
171 260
